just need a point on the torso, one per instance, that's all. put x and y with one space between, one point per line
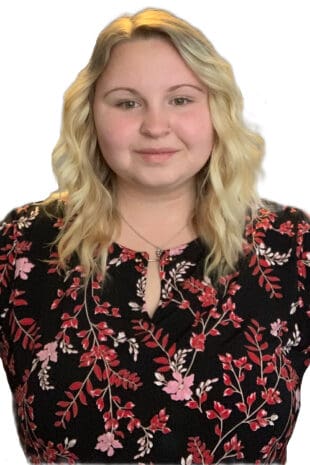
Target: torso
152 288
153 281
217 372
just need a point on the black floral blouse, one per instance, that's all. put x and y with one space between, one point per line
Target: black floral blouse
212 378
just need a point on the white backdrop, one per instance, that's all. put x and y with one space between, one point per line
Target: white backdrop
45 44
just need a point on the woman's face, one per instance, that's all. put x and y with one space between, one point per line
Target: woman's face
163 107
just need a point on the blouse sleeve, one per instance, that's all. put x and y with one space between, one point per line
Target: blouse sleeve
8 234
302 307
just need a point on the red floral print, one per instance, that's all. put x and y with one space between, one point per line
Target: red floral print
212 378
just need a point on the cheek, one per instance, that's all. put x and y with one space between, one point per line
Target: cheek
114 133
197 126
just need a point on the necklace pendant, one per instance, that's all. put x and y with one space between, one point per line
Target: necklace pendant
158 252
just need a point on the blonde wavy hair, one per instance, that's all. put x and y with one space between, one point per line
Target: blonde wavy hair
225 187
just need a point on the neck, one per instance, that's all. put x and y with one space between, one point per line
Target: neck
156 216
171 208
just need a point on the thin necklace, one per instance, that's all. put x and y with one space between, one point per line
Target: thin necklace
158 250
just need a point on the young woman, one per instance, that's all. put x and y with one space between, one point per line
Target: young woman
155 309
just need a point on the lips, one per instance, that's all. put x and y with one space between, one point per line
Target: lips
151 155
162 150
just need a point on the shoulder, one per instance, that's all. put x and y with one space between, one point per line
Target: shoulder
278 222
280 213
279 235
35 219
25 235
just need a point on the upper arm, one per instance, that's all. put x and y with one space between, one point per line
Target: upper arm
9 234
302 310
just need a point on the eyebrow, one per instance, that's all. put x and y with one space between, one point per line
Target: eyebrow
134 91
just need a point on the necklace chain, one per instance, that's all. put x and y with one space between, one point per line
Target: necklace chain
158 250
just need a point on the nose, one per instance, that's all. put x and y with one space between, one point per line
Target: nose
155 122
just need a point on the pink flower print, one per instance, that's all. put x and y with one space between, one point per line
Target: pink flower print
278 327
107 442
177 250
48 353
22 267
180 389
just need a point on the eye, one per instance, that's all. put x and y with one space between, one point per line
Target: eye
182 99
124 104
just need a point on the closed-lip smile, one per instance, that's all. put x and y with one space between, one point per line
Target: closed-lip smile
157 150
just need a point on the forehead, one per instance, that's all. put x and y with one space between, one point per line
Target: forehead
138 59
